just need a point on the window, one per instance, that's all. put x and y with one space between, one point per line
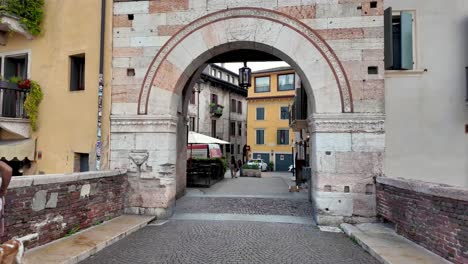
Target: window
229 78
286 82
214 98
81 162
262 84
192 124
260 137
232 128
240 129
239 107
213 72
77 72
16 65
399 46
283 137
228 148
220 75
284 113
213 128
233 106
260 113
192 98
238 149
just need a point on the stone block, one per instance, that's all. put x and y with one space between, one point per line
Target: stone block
337 10
122 141
121 62
299 12
167 77
369 106
143 23
184 18
140 7
333 203
373 55
332 141
368 163
198 5
127 52
140 62
374 90
367 10
326 162
355 22
121 21
156 141
163 6
360 44
121 42
52 202
85 190
286 3
364 205
148 41
368 142
374 32
18 182
39 201
338 33
168 30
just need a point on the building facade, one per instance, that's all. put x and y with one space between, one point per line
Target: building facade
269 99
218 108
65 62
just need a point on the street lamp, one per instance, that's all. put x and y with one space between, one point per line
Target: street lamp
245 75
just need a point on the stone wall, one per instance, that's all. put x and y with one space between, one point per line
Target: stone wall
432 215
44 208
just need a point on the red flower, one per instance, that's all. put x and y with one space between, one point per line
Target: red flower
24 84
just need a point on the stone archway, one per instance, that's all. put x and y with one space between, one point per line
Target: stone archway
156 126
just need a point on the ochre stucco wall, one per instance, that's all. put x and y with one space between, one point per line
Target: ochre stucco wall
67 120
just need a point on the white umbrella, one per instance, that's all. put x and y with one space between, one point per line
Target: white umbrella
197 138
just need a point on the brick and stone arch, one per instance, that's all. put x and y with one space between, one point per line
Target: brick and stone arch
148 132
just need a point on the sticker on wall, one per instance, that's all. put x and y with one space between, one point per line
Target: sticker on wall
281 157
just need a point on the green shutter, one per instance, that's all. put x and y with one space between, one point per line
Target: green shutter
278 137
406 41
388 38
286 137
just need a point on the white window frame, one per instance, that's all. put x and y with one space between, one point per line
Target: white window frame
12 53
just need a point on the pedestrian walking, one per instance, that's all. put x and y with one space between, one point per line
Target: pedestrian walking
239 168
233 167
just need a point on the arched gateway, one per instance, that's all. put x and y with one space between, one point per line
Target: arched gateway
149 134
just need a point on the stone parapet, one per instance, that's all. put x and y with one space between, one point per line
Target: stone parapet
43 208
433 215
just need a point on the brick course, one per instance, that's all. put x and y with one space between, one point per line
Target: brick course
437 223
79 204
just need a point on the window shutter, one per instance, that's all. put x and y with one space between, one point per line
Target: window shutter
406 41
278 137
286 137
388 38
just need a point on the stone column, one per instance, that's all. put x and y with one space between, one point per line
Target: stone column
146 147
347 155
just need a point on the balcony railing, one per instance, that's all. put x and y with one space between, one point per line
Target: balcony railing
12 101
216 110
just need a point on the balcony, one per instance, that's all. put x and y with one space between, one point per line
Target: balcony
13 14
298 111
13 118
216 110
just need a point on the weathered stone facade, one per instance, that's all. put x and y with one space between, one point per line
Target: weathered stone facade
44 208
432 215
330 44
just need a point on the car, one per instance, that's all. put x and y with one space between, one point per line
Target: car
259 162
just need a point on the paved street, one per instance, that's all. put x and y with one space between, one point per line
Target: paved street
219 237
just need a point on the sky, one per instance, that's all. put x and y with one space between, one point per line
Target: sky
255 66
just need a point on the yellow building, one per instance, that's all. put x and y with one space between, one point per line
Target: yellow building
64 59
268 132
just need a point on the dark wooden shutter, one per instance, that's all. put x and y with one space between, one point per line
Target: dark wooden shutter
388 38
406 23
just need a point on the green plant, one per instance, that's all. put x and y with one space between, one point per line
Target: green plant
30 12
271 165
218 111
31 104
73 231
15 79
250 167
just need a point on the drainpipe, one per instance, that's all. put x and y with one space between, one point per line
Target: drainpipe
101 86
198 106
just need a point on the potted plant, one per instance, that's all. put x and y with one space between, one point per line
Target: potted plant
251 171
11 84
271 166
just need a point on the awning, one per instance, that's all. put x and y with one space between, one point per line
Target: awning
19 149
196 138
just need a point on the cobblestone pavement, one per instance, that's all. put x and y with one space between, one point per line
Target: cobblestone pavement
232 242
239 205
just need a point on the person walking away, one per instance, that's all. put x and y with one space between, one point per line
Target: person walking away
5 178
239 167
232 167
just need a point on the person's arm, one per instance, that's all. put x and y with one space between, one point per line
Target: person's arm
6 173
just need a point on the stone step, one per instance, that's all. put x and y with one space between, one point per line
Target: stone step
388 247
81 245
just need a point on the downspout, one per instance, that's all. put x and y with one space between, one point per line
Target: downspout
101 86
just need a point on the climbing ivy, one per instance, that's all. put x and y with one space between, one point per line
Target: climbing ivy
31 104
30 12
